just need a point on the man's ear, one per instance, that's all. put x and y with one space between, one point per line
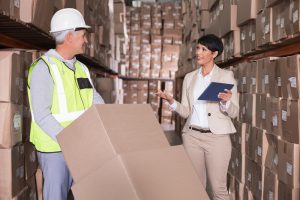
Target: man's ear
215 54
68 37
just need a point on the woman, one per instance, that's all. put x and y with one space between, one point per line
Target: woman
206 132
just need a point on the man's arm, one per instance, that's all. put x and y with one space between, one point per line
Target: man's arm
41 90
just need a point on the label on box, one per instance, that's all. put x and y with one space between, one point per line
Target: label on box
243 36
284 115
295 16
278 21
32 157
263 114
17 3
282 23
266 79
221 6
236 162
293 81
232 165
244 110
253 81
20 172
289 168
259 185
249 177
253 36
275 120
279 81
271 195
17 121
267 28
263 19
259 151
244 80
275 160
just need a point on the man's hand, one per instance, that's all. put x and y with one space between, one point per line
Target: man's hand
165 96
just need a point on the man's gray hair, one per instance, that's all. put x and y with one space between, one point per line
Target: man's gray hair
61 35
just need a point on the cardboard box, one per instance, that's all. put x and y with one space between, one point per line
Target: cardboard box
246 10
31 10
228 16
126 154
293 83
264 22
249 176
272 153
251 133
257 187
283 81
260 147
274 116
240 166
31 162
11 77
290 120
286 192
142 96
288 159
232 45
10 124
280 20
275 91
140 178
12 177
270 185
294 16
261 111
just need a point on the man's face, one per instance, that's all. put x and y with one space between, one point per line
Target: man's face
79 41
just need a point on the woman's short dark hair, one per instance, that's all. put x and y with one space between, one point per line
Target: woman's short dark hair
212 42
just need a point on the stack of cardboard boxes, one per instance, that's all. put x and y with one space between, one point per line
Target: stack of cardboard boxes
18 158
267 130
144 92
155 33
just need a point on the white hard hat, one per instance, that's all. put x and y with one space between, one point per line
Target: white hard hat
67 18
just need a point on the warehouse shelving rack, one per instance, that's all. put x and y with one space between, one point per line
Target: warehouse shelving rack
17 34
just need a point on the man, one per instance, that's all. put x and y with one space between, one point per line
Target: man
59 91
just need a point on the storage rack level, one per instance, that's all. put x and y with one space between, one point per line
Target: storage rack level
17 34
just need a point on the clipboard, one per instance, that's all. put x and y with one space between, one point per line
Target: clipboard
212 91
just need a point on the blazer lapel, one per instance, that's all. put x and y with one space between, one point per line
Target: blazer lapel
216 76
191 89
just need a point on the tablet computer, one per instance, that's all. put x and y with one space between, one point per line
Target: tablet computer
213 89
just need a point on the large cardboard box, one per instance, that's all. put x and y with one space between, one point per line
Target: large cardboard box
290 120
11 77
143 175
133 156
12 177
10 124
246 10
288 159
260 147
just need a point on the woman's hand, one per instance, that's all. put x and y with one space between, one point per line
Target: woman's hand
225 96
165 96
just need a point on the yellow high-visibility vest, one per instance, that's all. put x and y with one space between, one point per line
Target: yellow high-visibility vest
72 95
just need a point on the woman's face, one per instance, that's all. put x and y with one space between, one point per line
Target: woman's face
204 55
